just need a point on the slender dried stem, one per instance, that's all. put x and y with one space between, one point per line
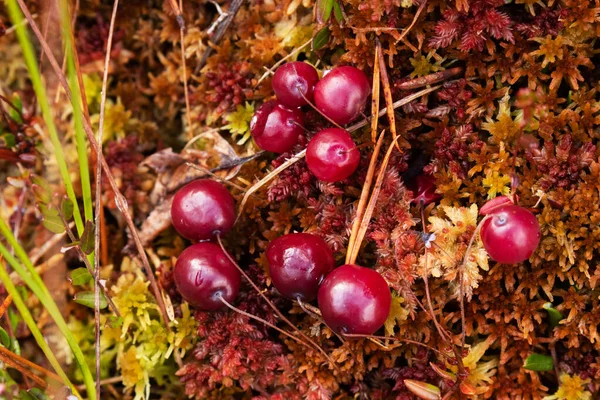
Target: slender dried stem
26 363
358 335
98 210
273 307
5 304
263 321
11 363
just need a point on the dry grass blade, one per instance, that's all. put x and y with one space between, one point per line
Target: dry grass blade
184 70
396 104
120 200
11 363
375 96
414 21
364 223
268 177
98 209
387 93
5 304
362 203
270 71
26 363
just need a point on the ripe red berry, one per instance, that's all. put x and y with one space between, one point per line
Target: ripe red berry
203 273
276 128
201 209
331 155
354 300
298 262
424 190
293 82
342 94
511 234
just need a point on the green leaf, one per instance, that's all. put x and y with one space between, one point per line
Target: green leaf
7 140
53 223
320 39
80 276
554 315
86 298
539 362
37 394
66 207
323 8
16 101
423 390
87 238
114 321
337 12
42 196
4 338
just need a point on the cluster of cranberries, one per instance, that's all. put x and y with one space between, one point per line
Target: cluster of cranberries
340 96
352 299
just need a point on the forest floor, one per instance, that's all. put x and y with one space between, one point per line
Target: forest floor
109 109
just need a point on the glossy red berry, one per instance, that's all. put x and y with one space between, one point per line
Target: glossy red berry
298 262
294 82
424 190
201 209
354 300
331 155
342 94
203 273
511 234
276 128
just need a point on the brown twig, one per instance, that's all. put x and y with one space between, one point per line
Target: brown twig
414 21
220 32
120 200
430 79
358 335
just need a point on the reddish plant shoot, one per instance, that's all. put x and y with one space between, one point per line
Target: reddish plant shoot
354 300
294 83
342 94
510 234
201 209
298 262
276 128
332 155
203 274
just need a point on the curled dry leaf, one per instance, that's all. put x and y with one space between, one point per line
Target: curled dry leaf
212 152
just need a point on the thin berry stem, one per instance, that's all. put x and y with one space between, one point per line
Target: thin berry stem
263 321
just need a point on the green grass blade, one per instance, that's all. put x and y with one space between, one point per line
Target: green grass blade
39 338
36 80
80 138
33 280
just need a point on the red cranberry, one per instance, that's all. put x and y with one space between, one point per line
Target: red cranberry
298 262
342 94
511 234
331 155
293 82
203 274
354 300
201 209
276 128
424 190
